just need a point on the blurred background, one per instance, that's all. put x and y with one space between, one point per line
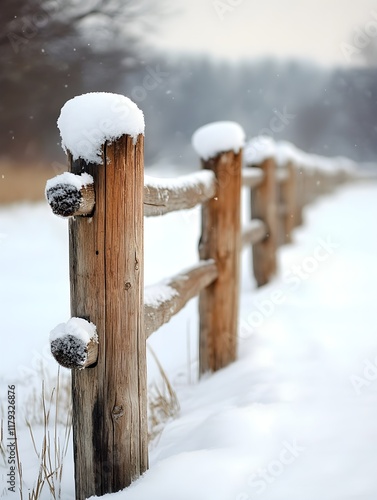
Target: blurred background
300 71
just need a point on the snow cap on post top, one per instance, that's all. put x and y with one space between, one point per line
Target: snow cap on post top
87 121
218 137
259 149
75 344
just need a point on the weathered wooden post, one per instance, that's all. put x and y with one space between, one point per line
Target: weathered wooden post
219 146
300 184
264 207
281 178
289 199
103 136
310 185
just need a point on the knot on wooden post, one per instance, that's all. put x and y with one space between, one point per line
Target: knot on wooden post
75 344
70 195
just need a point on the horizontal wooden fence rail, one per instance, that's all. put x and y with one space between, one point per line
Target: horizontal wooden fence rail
161 196
254 232
164 300
252 178
113 315
165 195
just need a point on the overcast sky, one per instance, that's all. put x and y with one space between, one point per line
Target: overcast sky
314 29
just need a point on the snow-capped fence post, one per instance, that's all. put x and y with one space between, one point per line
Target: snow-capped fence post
106 273
220 147
264 207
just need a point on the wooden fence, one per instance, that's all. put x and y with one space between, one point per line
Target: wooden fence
106 272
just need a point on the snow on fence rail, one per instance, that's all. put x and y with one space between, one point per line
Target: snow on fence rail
105 195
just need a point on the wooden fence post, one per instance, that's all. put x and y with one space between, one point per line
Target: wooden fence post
310 185
289 199
221 241
300 185
106 269
264 207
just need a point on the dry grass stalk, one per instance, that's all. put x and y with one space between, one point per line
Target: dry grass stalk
53 450
163 402
52 454
33 405
53 408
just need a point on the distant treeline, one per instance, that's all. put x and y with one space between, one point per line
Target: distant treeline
51 51
325 111
328 112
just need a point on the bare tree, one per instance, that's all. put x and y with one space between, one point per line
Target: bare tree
51 50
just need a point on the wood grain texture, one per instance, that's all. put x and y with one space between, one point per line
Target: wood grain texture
253 232
264 207
221 241
106 266
88 200
160 200
187 285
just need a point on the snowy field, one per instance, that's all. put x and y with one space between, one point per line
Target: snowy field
293 418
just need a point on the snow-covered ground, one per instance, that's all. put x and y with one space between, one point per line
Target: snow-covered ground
293 418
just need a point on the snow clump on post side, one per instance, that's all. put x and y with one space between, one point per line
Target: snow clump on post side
87 121
218 137
75 344
69 194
